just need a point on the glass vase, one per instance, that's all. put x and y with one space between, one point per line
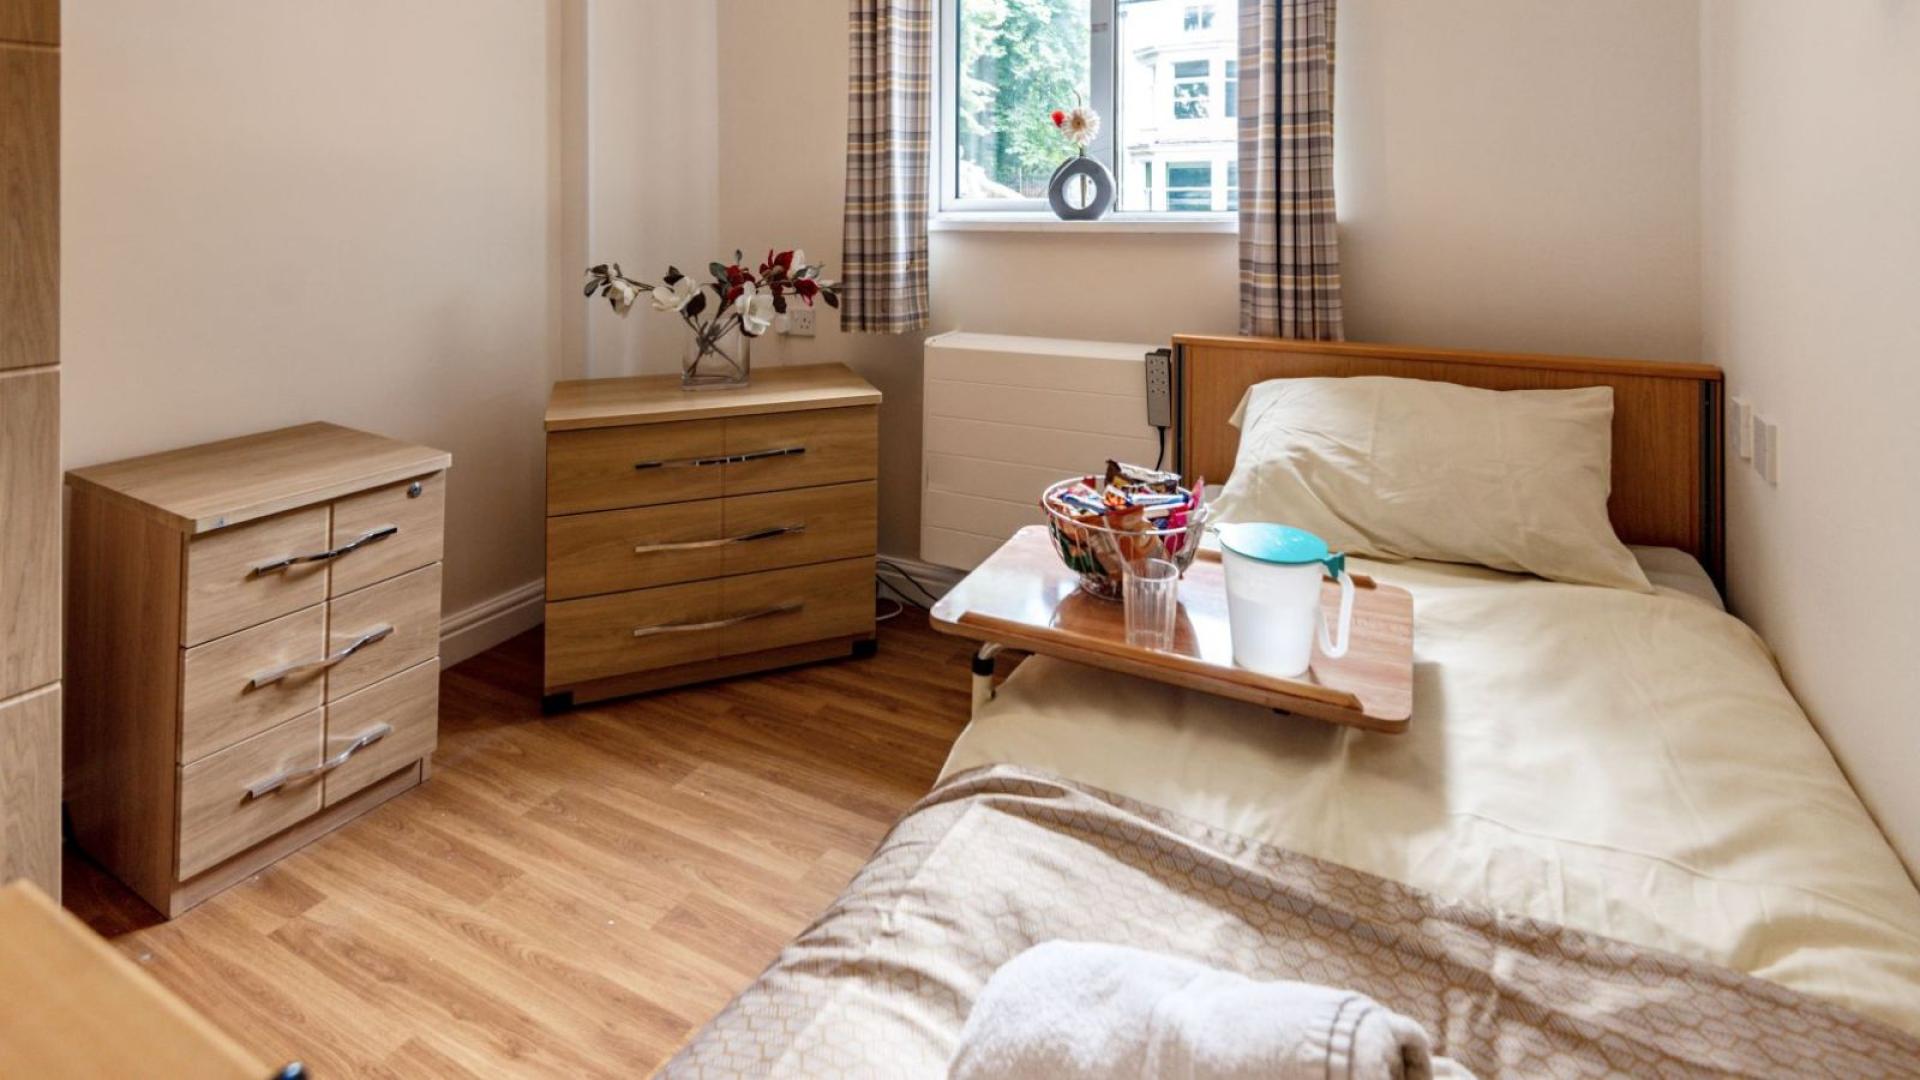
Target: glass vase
722 361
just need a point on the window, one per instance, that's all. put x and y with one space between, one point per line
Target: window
1190 187
1191 86
1233 185
1160 73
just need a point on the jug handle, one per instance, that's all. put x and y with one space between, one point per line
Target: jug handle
1335 646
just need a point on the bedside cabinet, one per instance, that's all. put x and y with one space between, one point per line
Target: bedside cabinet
696 534
253 639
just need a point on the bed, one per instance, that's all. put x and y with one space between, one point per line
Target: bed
1609 841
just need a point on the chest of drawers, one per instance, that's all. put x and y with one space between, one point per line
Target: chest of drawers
253 631
693 535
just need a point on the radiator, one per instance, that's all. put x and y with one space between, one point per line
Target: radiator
1005 417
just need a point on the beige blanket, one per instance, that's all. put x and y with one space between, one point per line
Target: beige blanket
999 859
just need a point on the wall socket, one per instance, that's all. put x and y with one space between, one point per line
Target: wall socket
1740 429
799 321
1160 388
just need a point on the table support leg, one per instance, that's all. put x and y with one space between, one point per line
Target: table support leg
983 674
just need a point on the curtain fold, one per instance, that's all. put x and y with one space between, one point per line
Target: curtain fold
1289 247
889 111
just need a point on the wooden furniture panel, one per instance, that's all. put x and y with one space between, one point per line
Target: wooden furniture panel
228 590
1667 419
217 485
415 509
218 815
239 685
408 704
595 638
209 654
808 525
35 22
802 449
30 787
588 554
29 528
409 604
778 608
694 548
654 399
611 468
30 188
77 1007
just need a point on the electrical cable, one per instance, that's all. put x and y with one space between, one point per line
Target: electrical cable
931 596
1160 459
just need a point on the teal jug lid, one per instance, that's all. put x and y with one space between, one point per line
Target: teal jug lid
1281 544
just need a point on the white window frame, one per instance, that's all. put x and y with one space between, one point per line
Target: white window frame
950 212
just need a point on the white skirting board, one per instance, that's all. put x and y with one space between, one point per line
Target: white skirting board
488 623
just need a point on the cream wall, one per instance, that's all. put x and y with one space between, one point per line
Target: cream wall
1513 175
281 212
1811 191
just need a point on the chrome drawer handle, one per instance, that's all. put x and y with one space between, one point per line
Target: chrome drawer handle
373 536
743 538
274 675
725 459
272 784
716 624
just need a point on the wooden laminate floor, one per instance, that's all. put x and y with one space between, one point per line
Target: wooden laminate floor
567 896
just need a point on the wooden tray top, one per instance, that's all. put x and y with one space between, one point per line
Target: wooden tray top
1024 598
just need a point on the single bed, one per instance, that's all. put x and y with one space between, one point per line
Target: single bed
1609 835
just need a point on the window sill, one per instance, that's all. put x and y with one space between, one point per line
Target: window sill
1042 222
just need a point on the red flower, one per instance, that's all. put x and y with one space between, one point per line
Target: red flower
806 287
1059 118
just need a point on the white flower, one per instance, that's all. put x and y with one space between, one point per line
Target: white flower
799 260
622 293
675 297
755 309
1082 126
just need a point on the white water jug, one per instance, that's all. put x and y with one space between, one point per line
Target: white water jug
1273 597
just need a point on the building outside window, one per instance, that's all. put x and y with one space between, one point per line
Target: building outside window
1161 73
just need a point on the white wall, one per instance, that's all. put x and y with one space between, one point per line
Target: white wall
1513 175
1811 190
280 212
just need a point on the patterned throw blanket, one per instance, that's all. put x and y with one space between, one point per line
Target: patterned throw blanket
1001 858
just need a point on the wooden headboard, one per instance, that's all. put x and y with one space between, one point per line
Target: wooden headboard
1667 461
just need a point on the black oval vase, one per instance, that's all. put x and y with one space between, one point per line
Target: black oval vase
1071 170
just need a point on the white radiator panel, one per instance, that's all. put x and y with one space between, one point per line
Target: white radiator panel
1005 417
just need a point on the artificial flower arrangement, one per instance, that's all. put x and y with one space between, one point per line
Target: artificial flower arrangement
736 298
1080 126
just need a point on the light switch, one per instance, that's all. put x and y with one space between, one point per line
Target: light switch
1740 429
1766 448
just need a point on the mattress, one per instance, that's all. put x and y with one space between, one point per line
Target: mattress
1624 764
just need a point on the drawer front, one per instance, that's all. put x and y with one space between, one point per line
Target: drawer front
413 510
794 528
242 684
802 449
218 816
406 705
795 606
381 630
642 465
232 581
589 554
594 638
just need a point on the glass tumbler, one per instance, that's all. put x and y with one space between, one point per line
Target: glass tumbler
1151 595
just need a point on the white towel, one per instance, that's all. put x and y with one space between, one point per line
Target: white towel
1069 1009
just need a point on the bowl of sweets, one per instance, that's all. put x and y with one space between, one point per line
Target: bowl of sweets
1101 524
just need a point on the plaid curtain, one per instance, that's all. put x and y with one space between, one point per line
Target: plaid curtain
889 108
1289 251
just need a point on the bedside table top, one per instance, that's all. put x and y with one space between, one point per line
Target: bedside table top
200 488
652 399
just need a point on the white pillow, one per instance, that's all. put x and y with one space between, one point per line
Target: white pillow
1407 468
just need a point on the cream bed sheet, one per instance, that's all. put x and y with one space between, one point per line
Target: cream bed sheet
1617 762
